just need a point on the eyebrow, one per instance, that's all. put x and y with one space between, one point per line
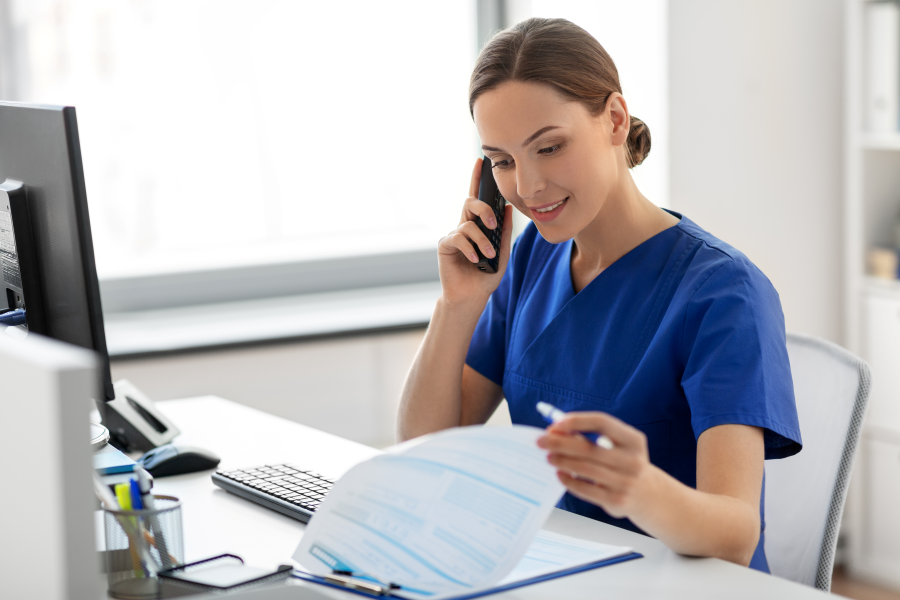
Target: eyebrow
530 139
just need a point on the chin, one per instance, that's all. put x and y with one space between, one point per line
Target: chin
552 234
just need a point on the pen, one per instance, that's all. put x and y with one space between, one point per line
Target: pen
149 504
123 495
109 501
135 491
551 414
104 494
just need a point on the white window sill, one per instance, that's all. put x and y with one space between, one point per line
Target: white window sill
166 330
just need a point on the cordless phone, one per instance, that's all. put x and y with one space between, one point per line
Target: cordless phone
489 193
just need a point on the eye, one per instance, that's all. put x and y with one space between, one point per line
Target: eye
500 164
550 150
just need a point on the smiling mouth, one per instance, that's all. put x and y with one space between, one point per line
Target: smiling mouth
551 207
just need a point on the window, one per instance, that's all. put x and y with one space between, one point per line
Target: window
221 133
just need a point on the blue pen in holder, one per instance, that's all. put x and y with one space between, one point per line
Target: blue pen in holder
139 544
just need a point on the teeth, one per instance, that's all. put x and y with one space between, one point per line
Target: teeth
549 208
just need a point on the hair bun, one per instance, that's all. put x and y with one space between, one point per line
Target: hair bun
638 144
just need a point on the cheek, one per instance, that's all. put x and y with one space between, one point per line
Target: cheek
594 176
506 183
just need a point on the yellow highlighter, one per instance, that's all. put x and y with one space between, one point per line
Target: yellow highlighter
123 495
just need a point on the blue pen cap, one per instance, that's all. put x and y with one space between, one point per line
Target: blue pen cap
136 502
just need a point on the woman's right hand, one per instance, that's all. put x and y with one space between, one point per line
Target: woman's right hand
461 281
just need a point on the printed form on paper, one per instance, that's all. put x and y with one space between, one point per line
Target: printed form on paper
447 514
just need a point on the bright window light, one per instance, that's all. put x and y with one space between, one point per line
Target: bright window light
218 133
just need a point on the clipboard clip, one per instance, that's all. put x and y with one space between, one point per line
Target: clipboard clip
352 581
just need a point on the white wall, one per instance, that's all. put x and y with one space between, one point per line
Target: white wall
755 130
348 386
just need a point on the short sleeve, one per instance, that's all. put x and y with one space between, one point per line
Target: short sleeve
487 351
737 369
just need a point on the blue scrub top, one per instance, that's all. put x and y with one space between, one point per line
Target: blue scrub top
681 334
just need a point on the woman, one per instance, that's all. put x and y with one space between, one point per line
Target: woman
647 328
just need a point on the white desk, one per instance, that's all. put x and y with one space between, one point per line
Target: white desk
216 521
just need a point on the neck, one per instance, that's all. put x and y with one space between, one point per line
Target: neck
626 220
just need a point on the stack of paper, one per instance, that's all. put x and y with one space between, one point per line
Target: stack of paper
447 515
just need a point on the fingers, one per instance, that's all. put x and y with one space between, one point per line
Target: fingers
465 238
476 179
577 447
620 433
468 235
473 207
455 242
612 501
593 472
611 478
474 233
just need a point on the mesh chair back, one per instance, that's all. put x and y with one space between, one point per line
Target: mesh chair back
805 493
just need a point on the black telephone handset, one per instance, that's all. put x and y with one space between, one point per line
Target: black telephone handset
489 193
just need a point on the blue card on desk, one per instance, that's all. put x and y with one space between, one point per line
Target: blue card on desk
110 461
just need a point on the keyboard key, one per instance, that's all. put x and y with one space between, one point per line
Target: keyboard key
289 483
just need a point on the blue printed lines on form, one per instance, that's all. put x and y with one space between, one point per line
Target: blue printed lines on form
482 560
334 563
487 502
403 548
476 478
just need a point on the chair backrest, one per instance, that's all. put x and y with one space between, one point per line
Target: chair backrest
805 493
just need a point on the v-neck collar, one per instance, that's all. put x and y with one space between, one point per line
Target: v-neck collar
571 245
551 317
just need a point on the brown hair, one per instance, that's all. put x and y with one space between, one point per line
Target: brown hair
559 53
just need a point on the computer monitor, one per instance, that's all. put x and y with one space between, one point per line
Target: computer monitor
39 147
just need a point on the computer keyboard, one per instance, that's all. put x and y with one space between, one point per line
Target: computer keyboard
288 489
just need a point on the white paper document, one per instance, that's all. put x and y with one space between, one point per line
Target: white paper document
445 515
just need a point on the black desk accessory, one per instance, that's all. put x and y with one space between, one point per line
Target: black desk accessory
489 192
226 572
133 420
18 262
177 459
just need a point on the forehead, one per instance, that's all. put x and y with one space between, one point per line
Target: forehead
511 112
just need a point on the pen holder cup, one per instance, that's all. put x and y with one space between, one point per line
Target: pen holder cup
140 543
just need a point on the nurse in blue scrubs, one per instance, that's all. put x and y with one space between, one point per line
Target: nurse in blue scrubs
642 325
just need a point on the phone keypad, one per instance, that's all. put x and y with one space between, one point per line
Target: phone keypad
493 235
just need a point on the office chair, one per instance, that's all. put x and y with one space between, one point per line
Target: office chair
805 493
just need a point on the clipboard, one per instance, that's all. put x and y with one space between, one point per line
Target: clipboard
365 587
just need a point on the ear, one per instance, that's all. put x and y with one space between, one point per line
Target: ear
617 110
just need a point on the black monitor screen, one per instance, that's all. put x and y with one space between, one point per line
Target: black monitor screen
39 146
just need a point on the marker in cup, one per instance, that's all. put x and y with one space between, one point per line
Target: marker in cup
551 414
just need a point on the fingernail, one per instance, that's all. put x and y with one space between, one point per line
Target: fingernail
490 252
492 222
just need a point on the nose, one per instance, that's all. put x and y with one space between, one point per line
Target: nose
529 183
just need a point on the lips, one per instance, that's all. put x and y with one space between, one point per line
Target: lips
548 212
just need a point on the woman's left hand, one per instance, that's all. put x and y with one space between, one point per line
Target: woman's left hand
618 480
